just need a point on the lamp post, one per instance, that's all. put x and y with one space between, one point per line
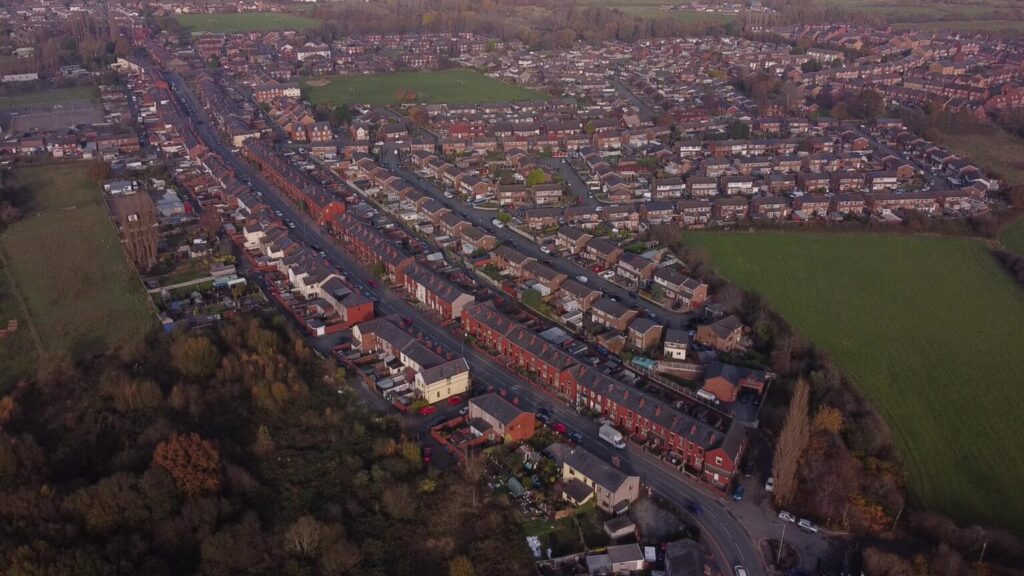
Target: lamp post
782 542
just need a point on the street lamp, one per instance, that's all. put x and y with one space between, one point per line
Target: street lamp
782 542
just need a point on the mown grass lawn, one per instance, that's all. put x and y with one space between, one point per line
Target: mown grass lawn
82 293
1013 236
18 352
48 97
930 329
455 86
245 22
992 148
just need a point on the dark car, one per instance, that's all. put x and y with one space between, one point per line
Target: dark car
577 438
694 507
543 418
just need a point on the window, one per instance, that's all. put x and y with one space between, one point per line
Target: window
718 461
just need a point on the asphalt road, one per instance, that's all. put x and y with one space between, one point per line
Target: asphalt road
725 536
482 218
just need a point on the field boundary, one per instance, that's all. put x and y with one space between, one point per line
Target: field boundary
16 290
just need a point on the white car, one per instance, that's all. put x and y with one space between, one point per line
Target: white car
464 410
741 571
807 525
787 516
581 279
497 223
769 485
607 274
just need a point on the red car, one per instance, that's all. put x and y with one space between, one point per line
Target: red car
559 427
428 452
427 410
455 400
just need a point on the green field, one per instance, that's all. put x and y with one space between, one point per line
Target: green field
929 329
83 295
1013 236
48 97
456 86
245 22
654 9
1001 27
994 149
17 350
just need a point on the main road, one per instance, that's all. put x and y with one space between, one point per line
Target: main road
731 544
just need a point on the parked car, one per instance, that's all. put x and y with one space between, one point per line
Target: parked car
581 279
464 410
787 516
543 418
559 427
737 494
428 410
576 438
741 571
454 400
769 485
807 525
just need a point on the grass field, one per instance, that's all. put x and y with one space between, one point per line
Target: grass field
48 97
1001 27
456 86
1013 236
994 149
245 22
930 330
82 293
18 352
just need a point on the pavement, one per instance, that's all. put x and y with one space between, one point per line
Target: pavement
723 523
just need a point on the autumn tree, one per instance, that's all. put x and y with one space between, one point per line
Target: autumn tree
195 357
793 440
192 462
461 566
828 419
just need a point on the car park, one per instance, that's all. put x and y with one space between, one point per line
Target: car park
807 525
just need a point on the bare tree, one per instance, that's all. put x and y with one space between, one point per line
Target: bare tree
792 441
473 470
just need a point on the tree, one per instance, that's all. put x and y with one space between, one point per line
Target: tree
811 66
418 115
829 419
192 462
195 357
504 217
737 130
340 557
99 171
343 114
536 176
793 440
461 566
303 536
